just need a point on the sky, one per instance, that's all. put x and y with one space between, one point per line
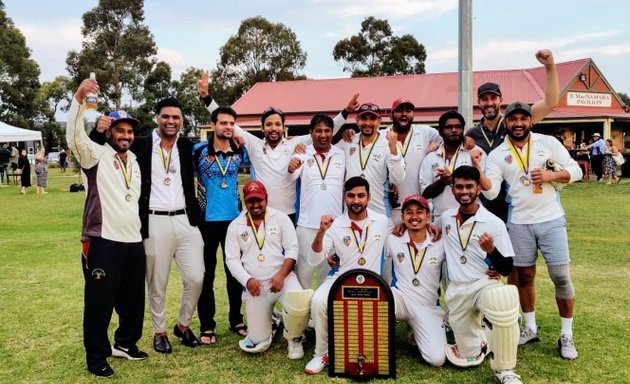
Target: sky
506 34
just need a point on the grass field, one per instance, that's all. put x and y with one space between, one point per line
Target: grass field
41 304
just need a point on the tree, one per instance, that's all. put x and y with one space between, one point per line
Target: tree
186 92
19 75
157 85
374 51
118 47
260 51
625 98
53 96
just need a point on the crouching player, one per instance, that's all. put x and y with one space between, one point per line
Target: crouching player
261 250
417 270
477 246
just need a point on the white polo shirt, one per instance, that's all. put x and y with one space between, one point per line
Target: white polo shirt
526 206
427 175
413 151
472 263
242 254
340 240
320 196
429 258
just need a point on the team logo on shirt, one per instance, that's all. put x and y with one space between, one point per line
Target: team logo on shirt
352 151
447 229
474 237
433 260
337 164
310 162
116 166
376 157
377 237
434 165
244 235
509 159
400 257
418 147
347 240
273 230
210 158
98 274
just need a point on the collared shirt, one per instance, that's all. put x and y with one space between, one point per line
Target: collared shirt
598 148
528 207
379 168
165 195
427 176
430 257
486 139
111 207
340 240
320 196
472 263
413 151
242 252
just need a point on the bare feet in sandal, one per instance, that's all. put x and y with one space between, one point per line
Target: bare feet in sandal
208 338
240 328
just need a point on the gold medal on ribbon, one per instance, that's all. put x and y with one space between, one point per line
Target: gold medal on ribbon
167 181
223 170
362 161
451 164
416 262
260 238
494 133
361 261
405 144
125 169
166 163
415 282
323 169
464 242
261 257
128 197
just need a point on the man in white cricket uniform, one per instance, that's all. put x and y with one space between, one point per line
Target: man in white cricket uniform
437 166
270 156
321 171
536 219
417 272
375 157
357 238
477 246
261 250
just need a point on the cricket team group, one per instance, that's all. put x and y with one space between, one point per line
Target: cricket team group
434 211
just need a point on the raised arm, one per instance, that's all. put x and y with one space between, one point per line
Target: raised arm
552 91
86 151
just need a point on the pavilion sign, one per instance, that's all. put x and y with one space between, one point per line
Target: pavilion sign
584 99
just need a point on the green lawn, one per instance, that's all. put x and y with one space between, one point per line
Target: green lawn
41 294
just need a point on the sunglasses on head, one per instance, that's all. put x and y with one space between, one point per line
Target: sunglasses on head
272 110
369 107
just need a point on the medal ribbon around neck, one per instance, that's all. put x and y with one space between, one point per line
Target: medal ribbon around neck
361 245
451 164
494 135
126 172
323 167
364 162
166 160
413 251
260 241
523 159
405 145
463 244
221 169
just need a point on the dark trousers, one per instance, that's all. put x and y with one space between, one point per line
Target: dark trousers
213 233
114 275
597 162
498 206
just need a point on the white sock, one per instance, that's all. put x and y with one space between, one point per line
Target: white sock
567 326
530 320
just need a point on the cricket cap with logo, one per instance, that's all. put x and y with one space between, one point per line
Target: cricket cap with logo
371 108
254 189
489 88
122 116
518 106
418 199
402 101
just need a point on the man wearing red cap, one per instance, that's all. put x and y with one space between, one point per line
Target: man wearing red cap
261 250
418 263
374 157
113 256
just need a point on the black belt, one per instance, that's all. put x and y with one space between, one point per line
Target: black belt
167 213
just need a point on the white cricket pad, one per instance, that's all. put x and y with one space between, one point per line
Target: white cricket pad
500 308
295 311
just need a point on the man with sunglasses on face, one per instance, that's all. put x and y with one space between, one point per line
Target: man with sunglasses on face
270 156
169 213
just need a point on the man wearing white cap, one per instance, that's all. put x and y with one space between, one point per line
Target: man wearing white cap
598 149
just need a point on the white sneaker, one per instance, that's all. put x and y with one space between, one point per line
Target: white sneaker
316 365
296 350
248 346
528 336
508 376
452 354
566 348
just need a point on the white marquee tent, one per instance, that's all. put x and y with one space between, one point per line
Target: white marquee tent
11 133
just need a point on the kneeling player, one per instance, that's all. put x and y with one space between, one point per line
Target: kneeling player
477 246
261 249
417 268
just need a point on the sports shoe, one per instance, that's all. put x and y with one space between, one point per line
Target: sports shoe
508 376
452 354
296 350
248 346
528 336
102 371
566 348
130 353
316 365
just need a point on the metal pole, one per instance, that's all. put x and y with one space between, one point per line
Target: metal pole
465 71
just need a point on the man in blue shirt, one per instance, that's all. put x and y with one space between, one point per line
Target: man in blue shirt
598 148
217 162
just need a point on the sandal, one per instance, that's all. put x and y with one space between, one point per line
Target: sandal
240 329
208 335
